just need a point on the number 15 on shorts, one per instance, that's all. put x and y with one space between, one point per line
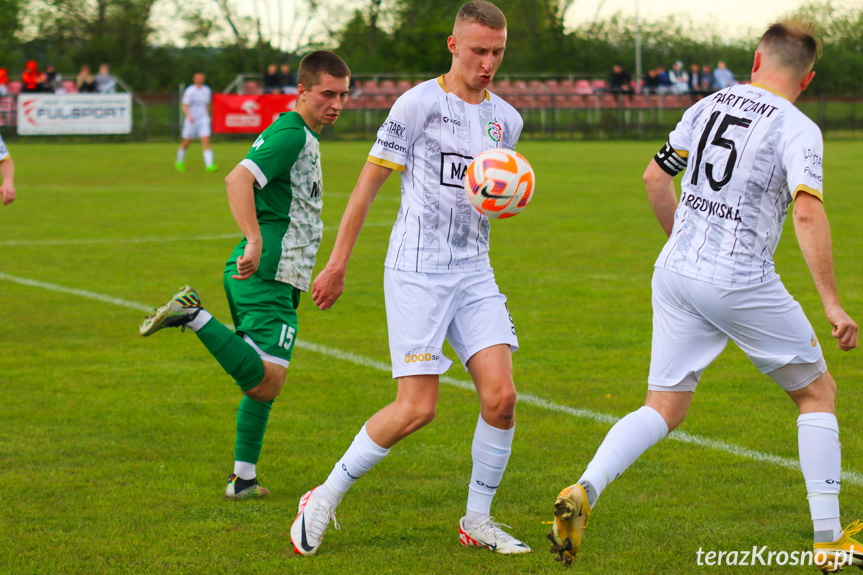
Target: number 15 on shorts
286 340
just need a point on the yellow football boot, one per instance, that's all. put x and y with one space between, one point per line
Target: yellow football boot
571 512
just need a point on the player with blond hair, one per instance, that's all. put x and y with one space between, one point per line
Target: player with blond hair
749 153
438 283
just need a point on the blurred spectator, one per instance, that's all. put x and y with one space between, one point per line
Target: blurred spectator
665 85
695 78
272 82
84 81
287 79
620 82
651 83
105 82
679 78
722 76
53 80
32 80
707 84
4 83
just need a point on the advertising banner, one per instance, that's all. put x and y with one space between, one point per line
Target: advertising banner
237 114
40 114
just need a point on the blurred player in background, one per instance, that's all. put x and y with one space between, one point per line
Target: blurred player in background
748 154
438 282
275 195
196 108
7 175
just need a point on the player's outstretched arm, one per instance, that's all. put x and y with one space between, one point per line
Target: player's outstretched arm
241 199
330 283
813 235
7 188
661 195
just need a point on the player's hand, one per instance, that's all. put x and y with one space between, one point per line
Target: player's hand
844 328
247 264
7 193
327 287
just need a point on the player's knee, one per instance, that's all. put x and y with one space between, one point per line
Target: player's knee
419 416
265 391
501 405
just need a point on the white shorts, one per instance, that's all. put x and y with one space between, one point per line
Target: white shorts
196 129
466 309
693 321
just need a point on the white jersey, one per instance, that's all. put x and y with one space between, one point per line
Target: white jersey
4 151
748 152
198 99
431 135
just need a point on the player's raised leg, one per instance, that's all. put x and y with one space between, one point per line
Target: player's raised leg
625 442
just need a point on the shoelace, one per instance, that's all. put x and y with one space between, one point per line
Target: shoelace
319 518
853 529
495 529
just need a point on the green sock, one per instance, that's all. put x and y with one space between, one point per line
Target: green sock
251 425
237 358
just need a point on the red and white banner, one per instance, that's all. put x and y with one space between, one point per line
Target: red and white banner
74 114
236 114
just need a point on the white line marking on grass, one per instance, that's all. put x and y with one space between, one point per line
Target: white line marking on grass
848 476
95 241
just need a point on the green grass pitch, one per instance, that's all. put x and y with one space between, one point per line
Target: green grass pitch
115 450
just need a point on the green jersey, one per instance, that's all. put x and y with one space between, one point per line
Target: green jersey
286 163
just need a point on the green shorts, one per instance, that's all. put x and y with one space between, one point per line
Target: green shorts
265 310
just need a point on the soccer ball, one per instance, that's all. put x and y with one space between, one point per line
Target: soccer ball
499 183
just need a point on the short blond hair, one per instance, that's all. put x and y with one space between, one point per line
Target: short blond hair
481 12
793 42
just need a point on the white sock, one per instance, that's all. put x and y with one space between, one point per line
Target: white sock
200 320
361 456
625 442
181 155
244 470
208 157
490 452
821 464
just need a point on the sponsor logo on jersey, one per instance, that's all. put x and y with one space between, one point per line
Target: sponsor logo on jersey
423 354
395 129
745 104
495 132
813 158
259 142
453 168
392 146
813 340
712 208
453 121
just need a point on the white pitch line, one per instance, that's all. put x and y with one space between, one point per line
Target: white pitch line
848 476
96 241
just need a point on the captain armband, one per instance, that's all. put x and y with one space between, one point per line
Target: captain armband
670 160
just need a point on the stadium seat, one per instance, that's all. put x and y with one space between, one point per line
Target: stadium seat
388 87
14 87
552 86
575 101
598 85
583 87
669 101
567 86
378 102
520 86
251 88
536 86
370 87
403 86
637 101
607 100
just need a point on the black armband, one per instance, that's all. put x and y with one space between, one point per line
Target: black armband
669 160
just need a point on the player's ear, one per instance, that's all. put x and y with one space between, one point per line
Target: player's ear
451 45
756 63
806 80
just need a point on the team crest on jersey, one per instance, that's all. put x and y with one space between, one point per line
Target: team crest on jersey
495 132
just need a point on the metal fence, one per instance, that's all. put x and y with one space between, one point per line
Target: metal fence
550 111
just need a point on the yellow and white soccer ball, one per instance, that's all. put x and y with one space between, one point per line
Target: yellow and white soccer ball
499 183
